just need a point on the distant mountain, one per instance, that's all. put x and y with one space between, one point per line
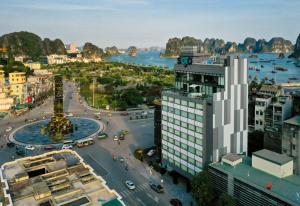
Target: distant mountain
296 53
90 50
112 51
132 51
31 45
250 45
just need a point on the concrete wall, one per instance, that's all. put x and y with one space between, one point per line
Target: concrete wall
272 168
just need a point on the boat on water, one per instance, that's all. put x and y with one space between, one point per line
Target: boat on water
289 61
253 62
258 70
253 56
252 68
265 60
293 78
282 69
262 66
273 71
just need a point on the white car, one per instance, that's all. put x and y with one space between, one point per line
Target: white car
8 129
116 138
130 185
151 153
69 114
67 146
29 147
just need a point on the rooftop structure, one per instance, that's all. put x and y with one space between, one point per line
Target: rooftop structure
58 178
256 186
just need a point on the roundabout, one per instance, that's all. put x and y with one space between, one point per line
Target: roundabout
33 134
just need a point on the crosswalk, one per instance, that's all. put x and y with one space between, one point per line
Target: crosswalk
138 188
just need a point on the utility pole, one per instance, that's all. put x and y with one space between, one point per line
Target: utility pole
94 84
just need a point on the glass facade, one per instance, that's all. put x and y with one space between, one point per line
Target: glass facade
182 134
199 83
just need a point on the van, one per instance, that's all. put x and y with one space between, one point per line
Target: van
85 142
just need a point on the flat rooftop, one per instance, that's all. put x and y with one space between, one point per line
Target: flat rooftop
208 69
294 120
287 189
274 157
58 178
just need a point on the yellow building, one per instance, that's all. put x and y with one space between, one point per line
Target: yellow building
2 78
33 65
17 81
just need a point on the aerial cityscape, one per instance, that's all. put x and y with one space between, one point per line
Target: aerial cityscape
149 103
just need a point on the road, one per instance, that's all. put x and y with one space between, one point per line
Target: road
99 155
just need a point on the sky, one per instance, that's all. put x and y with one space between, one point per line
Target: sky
145 23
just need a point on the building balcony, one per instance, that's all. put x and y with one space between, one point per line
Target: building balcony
194 95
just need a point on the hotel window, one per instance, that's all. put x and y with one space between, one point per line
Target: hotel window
184 167
171 99
198 141
165 108
183 114
177 111
198 152
171 130
171 160
191 149
164 127
198 118
192 104
184 103
199 130
191 127
184 124
165 117
177 153
191 116
165 98
171 120
171 109
184 146
184 157
177 101
177 122
177 164
164 137
191 171
191 160
171 140
198 164
176 132
183 135
191 139
199 106
177 143
171 150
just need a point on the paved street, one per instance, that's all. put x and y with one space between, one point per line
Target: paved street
99 155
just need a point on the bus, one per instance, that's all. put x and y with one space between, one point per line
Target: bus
85 142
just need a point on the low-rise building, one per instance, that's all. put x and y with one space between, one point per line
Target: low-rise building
58 178
33 65
6 102
291 140
266 179
18 87
57 59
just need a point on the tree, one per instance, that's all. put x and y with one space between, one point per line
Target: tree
202 189
226 200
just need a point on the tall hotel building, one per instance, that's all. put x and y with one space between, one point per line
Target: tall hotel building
205 116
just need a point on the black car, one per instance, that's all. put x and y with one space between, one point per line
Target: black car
121 136
156 187
175 202
10 144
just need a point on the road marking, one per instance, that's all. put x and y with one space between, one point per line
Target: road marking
140 201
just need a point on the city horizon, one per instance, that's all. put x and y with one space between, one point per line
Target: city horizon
115 23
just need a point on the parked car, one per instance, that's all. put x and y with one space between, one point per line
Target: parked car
124 113
71 142
67 146
10 144
116 138
151 152
144 113
32 120
125 132
50 147
175 202
156 187
29 147
121 136
102 135
8 129
130 185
